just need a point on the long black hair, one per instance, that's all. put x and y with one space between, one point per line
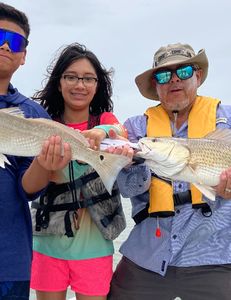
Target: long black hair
51 98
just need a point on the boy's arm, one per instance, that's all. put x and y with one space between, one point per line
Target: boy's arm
37 176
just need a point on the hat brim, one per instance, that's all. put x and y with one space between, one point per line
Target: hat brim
144 80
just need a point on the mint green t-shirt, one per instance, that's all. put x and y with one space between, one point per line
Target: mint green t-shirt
88 242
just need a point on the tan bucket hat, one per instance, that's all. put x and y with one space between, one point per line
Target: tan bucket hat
171 55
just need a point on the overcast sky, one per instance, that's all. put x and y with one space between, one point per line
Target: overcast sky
124 34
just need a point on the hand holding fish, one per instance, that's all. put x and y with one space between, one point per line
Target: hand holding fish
204 162
223 189
27 136
119 145
54 155
94 137
125 150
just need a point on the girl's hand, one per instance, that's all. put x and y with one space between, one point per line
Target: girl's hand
54 155
95 137
125 150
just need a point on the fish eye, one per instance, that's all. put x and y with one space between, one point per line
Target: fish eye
153 140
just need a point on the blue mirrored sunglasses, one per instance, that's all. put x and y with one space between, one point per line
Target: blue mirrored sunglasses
183 73
16 41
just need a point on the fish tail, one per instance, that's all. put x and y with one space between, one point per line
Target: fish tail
108 167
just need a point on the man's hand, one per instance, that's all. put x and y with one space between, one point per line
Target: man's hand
223 189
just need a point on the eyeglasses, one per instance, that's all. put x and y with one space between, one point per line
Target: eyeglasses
88 81
183 73
16 41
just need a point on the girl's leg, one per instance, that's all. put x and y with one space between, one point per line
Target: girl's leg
51 295
84 297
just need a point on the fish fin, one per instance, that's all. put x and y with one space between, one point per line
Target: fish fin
206 190
220 134
3 161
108 166
192 165
15 111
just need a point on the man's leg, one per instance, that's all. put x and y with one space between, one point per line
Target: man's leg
131 282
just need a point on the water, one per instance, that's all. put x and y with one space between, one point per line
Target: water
117 243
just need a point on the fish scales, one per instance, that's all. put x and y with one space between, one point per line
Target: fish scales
28 135
20 136
208 158
197 161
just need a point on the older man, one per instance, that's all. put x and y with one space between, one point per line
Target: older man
180 247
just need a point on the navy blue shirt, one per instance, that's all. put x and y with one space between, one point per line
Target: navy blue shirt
15 219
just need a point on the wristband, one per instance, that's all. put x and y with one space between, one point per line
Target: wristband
118 128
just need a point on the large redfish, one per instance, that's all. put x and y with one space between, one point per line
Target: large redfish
20 136
198 161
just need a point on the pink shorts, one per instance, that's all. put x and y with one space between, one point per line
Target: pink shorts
89 277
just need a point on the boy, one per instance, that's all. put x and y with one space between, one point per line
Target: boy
20 181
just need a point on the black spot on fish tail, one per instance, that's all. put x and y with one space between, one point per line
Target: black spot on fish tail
101 157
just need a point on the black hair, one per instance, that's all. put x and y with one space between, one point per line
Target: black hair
16 16
51 98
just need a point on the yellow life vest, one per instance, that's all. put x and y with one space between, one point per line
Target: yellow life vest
201 121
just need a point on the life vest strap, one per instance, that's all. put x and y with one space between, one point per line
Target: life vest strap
83 203
57 189
179 199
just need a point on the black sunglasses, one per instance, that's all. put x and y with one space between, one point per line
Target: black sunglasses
182 72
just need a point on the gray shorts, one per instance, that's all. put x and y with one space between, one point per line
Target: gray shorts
131 282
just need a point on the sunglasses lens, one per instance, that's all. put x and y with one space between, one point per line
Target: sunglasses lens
162 77
16 41
185 72
2 36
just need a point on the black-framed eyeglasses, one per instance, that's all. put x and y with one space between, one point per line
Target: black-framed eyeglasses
16 41
72 80
182 72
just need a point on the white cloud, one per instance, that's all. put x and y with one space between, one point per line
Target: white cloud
124 35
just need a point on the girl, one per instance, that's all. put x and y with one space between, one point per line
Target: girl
73 234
